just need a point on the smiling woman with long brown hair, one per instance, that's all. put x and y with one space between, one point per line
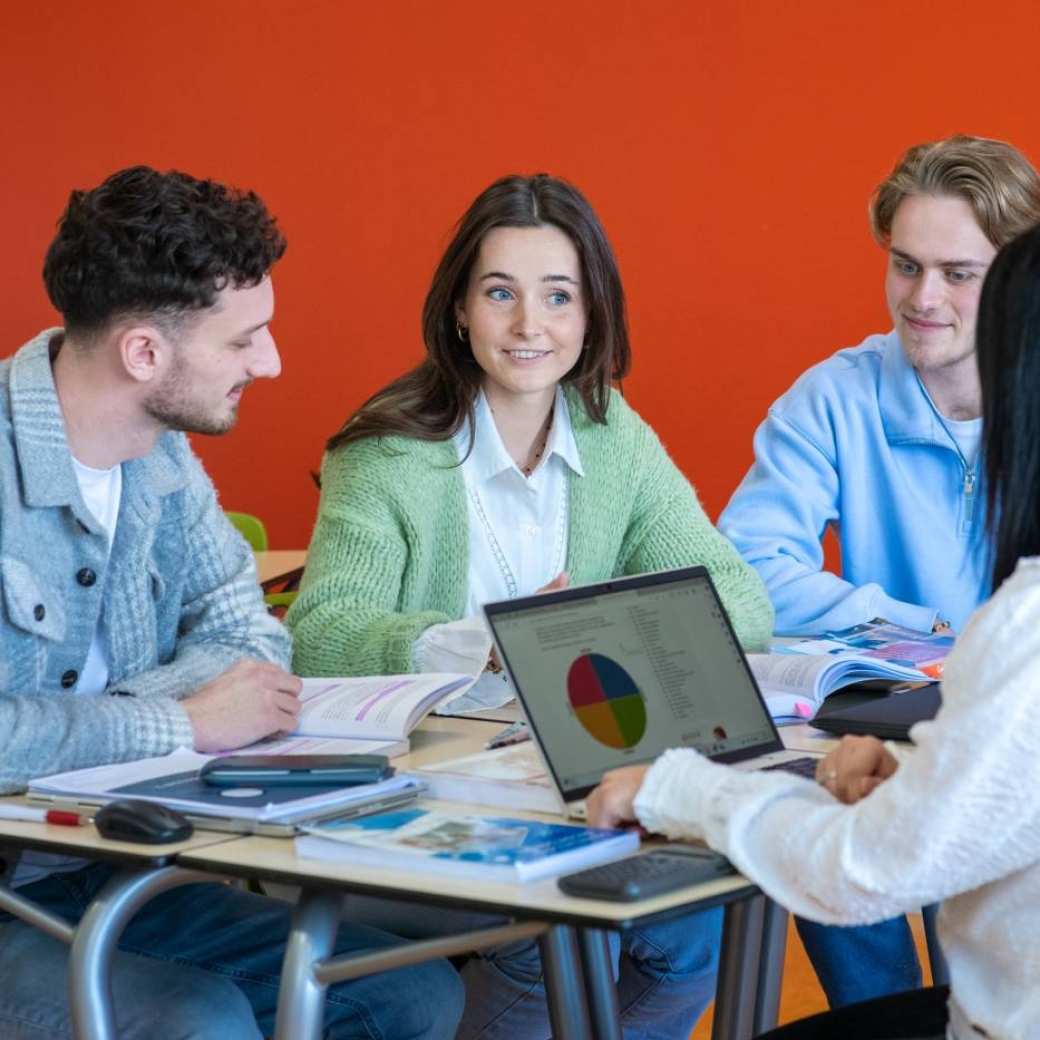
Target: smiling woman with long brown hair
506 463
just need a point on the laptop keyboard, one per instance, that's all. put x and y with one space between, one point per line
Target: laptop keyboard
799 766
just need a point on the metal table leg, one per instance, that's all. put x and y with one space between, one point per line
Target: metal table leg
568 1014
600 990
308 969
26 910
301 996
936 957
95 939
770 967
736 993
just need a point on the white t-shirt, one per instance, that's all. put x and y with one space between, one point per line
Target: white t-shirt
102 490
968 435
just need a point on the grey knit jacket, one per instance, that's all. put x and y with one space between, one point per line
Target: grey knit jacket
178 593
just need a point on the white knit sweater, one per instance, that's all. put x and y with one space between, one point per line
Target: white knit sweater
958 822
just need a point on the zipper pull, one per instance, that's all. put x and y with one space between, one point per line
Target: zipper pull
968 514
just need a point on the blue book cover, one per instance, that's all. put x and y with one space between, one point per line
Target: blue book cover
492 847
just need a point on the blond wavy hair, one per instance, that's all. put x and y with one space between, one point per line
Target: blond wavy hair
993 177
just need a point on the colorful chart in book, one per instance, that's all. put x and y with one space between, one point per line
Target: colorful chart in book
606 701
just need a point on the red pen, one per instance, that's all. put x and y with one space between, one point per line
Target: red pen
26 812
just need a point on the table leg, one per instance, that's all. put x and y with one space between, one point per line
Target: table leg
600 989
568 1014
26 910
98 932
301 995
736 993
936 958
770 967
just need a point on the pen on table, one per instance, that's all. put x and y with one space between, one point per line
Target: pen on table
26 812
514 733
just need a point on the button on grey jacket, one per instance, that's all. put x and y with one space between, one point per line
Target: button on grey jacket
178 593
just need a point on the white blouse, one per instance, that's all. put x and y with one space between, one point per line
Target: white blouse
958 822
517 543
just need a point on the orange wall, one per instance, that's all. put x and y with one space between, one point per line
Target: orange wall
729 148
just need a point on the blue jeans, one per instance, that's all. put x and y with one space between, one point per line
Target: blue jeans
861 962
202 962
665 972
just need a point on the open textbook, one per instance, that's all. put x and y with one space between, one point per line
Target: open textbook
381 707
796 677
490 847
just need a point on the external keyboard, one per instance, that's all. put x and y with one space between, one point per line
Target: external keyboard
648 874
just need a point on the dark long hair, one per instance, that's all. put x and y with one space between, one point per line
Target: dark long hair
433 400
1008 344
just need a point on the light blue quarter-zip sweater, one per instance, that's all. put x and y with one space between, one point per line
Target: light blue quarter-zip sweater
857 445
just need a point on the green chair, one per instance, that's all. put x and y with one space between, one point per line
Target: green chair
251 528
280 591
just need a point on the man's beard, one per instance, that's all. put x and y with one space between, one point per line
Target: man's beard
171 405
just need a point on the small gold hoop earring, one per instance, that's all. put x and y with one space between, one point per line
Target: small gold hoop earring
460 331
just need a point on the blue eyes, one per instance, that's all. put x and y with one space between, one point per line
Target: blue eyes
956 275
557 298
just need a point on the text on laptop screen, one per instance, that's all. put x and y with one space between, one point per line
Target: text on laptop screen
615 679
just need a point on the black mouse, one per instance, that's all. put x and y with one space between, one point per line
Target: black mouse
147 823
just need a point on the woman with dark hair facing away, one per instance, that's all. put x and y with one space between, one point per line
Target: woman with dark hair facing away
505 464
957 818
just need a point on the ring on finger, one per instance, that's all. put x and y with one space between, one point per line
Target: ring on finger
828 776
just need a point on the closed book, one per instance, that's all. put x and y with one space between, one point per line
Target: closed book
494 848
511 777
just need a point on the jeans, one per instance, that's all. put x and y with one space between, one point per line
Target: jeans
202 962
861 962
665 972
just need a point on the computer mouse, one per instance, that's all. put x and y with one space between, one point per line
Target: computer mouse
149 823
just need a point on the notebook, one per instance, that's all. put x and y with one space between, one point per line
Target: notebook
888 718
613 674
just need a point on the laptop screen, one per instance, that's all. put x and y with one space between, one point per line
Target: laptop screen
614 674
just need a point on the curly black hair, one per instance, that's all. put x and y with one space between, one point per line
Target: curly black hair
152 243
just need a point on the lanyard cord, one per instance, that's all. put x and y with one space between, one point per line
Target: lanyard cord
969 471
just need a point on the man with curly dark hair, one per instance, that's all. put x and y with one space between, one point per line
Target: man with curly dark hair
131 622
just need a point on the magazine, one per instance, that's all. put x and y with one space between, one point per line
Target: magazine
796 677
381 707
495 848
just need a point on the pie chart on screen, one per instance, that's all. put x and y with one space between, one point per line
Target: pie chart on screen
606 701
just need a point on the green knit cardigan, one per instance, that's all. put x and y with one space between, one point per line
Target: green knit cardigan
389 553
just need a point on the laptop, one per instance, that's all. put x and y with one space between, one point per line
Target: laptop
888 718
615 673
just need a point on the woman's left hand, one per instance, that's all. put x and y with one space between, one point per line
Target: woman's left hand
610 805
855 767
